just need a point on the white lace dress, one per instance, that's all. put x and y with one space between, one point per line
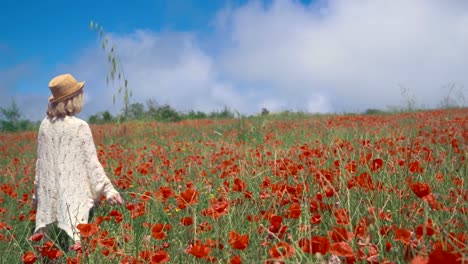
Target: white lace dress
69 177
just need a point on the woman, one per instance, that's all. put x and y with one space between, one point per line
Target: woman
69 178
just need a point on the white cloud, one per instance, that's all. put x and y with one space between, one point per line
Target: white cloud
332 56
30 103
357 52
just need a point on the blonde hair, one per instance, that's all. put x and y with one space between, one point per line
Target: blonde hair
68 107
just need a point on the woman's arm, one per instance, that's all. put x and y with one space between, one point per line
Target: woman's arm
98 180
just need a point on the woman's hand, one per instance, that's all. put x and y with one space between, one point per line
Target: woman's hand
115 199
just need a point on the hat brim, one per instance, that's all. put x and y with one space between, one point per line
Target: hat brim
79 86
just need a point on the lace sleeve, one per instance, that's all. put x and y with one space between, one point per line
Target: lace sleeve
98 180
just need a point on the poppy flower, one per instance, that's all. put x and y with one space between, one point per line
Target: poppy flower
439 255
305 245
187 197
365 181
199 250
316 219
420 189
239 185
341 249
420 260
165 193
48 250
87 230
217 209
36 237
238 241
275 223
402 235
160 256
186 221
415 167
294 211
376 165
320 244
339 234
29 257
281 250
235 260
157 232
341 216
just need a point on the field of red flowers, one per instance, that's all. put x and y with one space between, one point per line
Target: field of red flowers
271 189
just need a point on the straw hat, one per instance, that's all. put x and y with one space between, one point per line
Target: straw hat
63 87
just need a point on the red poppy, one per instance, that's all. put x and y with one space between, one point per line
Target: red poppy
158 231
415 167
420 189
36 237
281 250
341 216
186 221
320 244
199 250
217 209
238 241
235 260
420 260
165 193
29 257
118 216
239 185
376 165
87 230
294 211
365 181
341 249
5 226
314 206
50 251
187 197
305 245
108 242
439 255
160 256
316 219
402 235
422 230
275 223
339 234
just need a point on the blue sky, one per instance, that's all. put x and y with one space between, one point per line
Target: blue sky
315 56
45 34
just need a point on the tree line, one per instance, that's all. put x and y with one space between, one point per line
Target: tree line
11 118
156 112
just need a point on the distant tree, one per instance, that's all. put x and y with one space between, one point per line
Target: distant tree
106 117
265 111
168 114
195 115
101 118
10 120
152 106
136 111
226 113
93 119
372 111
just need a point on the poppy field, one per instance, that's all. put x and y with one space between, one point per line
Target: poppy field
284 188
